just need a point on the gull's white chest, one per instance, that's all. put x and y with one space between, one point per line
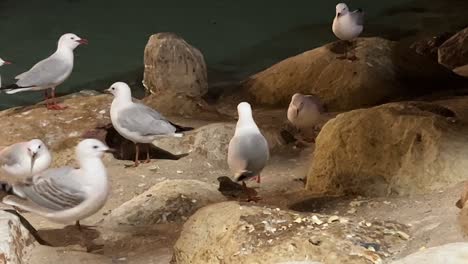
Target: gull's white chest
345 28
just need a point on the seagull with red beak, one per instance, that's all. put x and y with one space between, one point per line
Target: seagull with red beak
50 72
3 62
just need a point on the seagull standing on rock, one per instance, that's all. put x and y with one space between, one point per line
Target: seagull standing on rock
137 122
248 151
347 25
23 160
3 62
66 194
50 72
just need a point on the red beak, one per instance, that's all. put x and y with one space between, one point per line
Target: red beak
7 62
83 41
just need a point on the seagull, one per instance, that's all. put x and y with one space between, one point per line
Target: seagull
305 111
248 150
3 62
137 122
50 72
347 25
22 160
66 194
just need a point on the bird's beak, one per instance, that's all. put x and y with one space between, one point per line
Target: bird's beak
7 62
33 160
83 41
107 91
111 150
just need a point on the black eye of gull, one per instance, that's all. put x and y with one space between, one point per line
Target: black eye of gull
95 147
39 146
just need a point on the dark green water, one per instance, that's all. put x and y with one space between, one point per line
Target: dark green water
236 37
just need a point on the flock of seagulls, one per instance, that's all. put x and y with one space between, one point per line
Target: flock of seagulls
68 194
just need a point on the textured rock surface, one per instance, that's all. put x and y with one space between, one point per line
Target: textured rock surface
174 66
171 201
398 148
454 52
462 70
454 253
252 234
429 47
16 242
383 71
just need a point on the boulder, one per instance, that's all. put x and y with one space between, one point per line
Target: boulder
173 66
429 47
454 52
254 234
394 149
462 70
16 243
171 201
382 71
454 253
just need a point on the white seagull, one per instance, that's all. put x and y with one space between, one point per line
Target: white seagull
22 160
248 150
3 62
65 194
347 25
137 122
50 72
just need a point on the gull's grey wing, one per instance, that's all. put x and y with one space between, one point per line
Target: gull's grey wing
316 101
45 73
10 155
144 120
54 189
358 16
248 153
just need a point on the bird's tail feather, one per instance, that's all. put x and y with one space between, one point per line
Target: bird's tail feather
25 205
14 88
181 128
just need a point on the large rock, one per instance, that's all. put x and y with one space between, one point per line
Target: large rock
383 71
462 70
454 52
429 47
174 66
397 148
253 234
171 201
454 253
16 242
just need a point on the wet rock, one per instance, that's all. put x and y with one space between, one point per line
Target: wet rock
16 243
393 149
171 201
345 84
253 234
454 253
462 70
429 47
454 52
172 65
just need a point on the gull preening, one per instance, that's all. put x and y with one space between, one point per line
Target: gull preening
22 160
3 62
347 25
305 112
136 121
65 195
248 151
50 72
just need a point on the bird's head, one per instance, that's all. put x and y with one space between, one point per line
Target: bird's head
36 149
341 9
91 148
120 89
71 41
